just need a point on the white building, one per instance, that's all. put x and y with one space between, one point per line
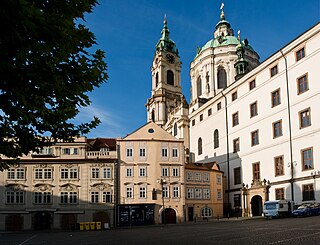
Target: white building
257 121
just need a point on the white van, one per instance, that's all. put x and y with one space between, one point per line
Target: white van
277 208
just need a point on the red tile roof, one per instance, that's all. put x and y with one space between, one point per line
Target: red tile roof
98 143
203 166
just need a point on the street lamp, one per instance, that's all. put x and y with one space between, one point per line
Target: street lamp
162 182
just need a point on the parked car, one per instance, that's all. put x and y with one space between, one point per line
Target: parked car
302 211
315 209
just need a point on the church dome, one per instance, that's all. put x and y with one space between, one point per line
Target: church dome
223 36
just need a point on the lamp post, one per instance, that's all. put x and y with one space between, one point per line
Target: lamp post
162 182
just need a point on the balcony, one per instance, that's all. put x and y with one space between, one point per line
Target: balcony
101 154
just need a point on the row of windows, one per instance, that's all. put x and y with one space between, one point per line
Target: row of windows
142 152
18 197
304 120
306 160
65 173
142 192
201 193
299 55
302 86
304 115
197 176
279 167
142 171
307 193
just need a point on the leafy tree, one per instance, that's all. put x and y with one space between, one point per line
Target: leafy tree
47 68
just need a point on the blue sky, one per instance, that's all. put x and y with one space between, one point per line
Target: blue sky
128 30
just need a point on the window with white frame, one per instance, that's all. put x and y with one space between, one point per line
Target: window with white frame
142 171
47 173
176 191
164 152
68 197
175 152
14 197
175 172
129 192
64 173
197 176
219 194
69 173
142 192
16 173
206 212
107 173
165 191
73 173
42 197
218 179
198 193
189 176
70 151
129 172
190 193
66 151
94 197
142 152
206 193
106 197
164 171
95 173
11 174
129 152
206 177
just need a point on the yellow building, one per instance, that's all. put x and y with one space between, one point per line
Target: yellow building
204 192
60 187
151 177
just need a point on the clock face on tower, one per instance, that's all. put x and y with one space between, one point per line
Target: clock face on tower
170 58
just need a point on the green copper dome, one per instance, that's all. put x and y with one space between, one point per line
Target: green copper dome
165 43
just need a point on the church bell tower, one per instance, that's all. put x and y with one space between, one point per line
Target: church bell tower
166 82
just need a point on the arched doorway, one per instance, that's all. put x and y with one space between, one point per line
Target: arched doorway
42 221
169 215
256 205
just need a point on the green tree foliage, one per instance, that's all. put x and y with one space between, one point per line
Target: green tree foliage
47 68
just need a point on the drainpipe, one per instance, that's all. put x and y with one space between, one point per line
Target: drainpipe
228 159
117 187
290 131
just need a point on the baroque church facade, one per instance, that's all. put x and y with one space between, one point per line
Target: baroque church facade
256 120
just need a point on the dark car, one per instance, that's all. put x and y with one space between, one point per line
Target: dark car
302 211
315 209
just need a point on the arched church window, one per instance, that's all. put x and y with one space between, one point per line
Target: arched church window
199 86
199 146
175 129
170 77
222 78
157 79
216 139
